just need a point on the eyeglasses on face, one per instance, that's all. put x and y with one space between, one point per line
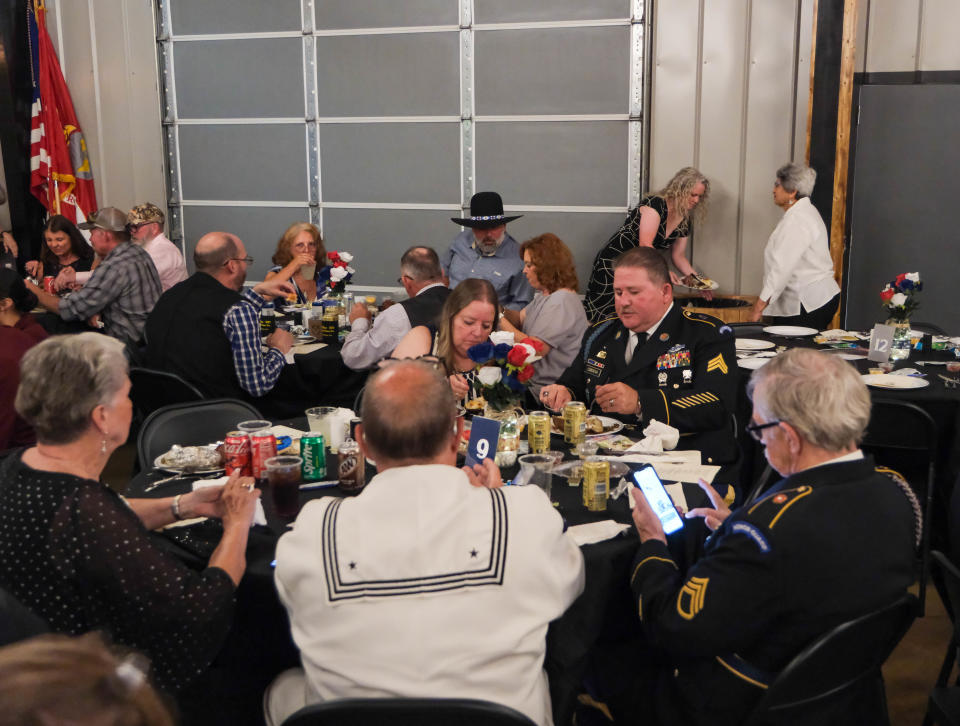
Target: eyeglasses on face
248 259
755 429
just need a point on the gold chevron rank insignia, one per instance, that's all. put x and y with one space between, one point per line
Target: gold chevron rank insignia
717 363
696 399
691 597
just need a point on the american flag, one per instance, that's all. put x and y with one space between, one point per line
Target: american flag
60 173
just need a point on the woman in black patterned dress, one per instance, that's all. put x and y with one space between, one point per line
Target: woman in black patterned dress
663 220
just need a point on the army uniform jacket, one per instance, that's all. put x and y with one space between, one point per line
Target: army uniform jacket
823 546
685 375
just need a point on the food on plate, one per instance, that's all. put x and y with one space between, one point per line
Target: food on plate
698 282
618 443
193 457
475 405
595 425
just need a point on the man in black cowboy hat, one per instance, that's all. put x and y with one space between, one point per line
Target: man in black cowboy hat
485 250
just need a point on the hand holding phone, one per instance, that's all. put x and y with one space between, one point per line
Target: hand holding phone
647 481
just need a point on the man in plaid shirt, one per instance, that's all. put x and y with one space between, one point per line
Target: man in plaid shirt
122 290
207 332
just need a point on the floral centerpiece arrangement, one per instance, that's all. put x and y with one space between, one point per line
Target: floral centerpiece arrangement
899 296
338 272
504 369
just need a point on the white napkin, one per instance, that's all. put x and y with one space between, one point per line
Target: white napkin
258 517
647 445
501 336
906 372
669 436
595 531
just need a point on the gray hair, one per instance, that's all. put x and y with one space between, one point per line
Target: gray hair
797 178
396 423
820 395
64 378
421 264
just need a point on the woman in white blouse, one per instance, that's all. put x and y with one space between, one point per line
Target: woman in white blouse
798 280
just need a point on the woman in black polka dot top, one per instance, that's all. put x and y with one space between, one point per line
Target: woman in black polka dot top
79 555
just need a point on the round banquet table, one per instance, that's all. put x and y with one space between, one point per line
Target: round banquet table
602 618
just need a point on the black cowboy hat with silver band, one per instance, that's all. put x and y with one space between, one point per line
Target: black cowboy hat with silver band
486 212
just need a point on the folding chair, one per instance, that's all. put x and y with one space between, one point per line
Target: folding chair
944 704
152 389
831 667
903 437
190 424
407 712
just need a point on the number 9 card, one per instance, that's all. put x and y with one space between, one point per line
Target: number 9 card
484 436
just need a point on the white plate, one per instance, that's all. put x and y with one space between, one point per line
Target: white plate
848 356
753 344
752 363
791 331
713 286
607 421
885 380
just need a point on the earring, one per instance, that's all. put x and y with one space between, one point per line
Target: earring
103 444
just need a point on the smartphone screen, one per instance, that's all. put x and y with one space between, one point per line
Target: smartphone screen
649 483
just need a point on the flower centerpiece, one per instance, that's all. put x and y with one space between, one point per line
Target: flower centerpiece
338 272
504 369
899 297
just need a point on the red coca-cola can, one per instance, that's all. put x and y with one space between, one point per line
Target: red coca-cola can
48 284
236 453
262 447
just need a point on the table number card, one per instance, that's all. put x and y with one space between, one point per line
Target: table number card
881 340
484 436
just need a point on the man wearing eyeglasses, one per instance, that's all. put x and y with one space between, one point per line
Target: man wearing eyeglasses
145 222
422 278
833 540
208 333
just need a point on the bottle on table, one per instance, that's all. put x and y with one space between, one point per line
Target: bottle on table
268 318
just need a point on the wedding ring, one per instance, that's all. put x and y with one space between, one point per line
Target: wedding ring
250 487
611 401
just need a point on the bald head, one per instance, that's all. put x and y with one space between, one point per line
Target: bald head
213 250
396 424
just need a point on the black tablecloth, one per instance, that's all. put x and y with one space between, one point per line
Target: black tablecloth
605 610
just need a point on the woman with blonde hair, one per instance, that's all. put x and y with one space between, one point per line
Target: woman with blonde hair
663 220
299 257
468 317
56 680
555 316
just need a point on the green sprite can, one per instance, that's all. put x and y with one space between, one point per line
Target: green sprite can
314 457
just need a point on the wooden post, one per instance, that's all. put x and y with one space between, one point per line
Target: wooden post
838 218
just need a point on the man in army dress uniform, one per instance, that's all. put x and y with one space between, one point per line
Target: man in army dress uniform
656 360
832 541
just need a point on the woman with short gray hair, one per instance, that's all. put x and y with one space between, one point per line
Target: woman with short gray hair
79 555
798 278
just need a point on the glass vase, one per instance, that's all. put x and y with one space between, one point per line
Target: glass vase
901 344
509 417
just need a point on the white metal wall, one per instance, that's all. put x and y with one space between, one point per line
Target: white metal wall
908 35
108 55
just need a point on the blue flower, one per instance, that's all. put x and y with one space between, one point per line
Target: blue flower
324 274
481 352
512 383
500 351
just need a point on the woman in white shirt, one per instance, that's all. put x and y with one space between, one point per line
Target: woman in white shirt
798 280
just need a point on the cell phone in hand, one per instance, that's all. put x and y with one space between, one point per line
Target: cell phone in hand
647 481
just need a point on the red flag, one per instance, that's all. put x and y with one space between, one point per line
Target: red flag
60 174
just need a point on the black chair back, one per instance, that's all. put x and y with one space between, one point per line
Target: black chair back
151 389
944 704
745 330
903 437
190 424
407 712
834 664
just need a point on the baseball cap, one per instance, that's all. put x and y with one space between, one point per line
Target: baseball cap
108 218
145 213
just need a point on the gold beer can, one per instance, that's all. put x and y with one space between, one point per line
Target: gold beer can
538 431
574 422
596 483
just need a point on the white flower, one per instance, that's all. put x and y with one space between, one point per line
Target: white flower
913 276
531 353
350 270
346 257
501 336
338 273
898 300
489 375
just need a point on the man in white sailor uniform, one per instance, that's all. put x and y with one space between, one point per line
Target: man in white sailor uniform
834 540
655 360
433 581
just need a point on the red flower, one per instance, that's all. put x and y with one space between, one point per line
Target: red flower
536 344
525 374
335 256
517 356
885 295
900 278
